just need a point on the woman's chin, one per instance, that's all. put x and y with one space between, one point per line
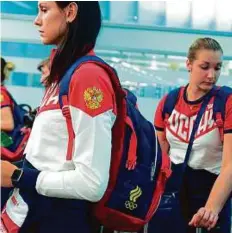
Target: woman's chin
206 88
45 41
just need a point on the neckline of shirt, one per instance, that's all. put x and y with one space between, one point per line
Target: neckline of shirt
192 102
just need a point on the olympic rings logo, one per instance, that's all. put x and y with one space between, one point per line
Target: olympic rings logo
130 205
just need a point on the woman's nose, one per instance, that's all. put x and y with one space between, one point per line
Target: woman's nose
211 74
37 21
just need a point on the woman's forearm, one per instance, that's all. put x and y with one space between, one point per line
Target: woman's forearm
221 190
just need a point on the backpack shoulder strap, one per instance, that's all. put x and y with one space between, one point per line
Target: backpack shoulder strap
131 97
170 102
64 89
221 96
64 84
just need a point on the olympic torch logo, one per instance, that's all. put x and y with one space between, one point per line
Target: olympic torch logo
134 195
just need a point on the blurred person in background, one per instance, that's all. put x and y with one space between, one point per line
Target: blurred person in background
207 181
44 68
7 118
52 191
16 121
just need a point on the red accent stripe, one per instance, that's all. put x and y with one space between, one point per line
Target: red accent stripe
71 135
166 165
14 201
8 225
160 185
131 160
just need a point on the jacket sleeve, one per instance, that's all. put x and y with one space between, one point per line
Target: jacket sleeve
159 121
228 116
92 107
5 100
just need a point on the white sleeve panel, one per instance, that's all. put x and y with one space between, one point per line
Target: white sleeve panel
91 159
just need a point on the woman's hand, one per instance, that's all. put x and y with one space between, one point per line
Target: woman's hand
204 218
7 170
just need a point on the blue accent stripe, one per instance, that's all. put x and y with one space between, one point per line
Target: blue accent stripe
19 7
19 79
29 50
25 79
35 80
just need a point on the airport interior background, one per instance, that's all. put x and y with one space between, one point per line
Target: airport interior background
145 41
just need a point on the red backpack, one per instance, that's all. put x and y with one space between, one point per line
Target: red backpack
139 170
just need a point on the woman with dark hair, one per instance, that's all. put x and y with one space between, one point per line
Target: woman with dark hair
52 192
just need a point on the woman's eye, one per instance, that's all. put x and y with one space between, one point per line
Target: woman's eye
204 67
218 68
43 9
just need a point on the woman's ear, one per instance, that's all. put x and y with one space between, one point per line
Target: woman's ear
189 65
71 12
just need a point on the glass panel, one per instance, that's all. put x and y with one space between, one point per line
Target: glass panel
152 13
178 14
105 9
124 12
